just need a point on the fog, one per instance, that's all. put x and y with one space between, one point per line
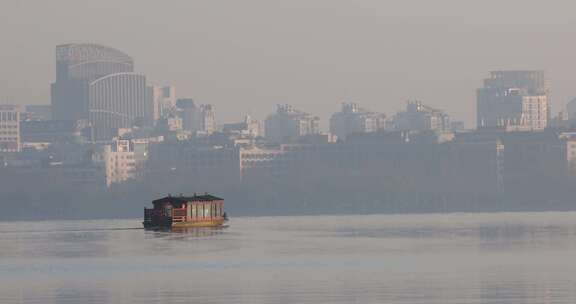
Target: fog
247 56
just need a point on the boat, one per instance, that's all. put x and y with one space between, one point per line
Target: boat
185 212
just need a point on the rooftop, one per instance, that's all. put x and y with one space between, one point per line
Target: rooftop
184 199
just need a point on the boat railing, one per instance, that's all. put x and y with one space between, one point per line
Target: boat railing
150 214
178 215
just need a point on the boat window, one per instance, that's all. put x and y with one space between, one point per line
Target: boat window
206 211
168 210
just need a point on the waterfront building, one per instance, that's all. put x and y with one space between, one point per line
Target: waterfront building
514 100
420 117
288 123
175 165
354 119
9 128
123 160
260 163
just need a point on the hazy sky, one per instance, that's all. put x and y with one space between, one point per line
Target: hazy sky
246 56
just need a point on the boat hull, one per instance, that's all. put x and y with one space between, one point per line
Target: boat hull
190 224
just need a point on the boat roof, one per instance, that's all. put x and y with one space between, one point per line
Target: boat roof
184 199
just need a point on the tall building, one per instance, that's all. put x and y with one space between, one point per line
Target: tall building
571 109
353 119
9 128
118 101
163 100
288 123
419 117
514 100
196 119
98 83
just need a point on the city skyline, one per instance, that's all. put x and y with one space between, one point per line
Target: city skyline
378 58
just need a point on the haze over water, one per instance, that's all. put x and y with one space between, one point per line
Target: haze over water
456 258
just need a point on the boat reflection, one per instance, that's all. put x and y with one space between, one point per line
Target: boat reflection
188 231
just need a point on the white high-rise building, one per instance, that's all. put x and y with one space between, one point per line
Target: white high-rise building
123 160
9 128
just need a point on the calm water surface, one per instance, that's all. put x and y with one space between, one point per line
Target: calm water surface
456 258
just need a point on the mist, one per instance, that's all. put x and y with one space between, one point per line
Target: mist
246 57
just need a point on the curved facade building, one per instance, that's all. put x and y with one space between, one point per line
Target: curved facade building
90 62
117 101
97 83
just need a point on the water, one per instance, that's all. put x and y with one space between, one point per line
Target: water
456 258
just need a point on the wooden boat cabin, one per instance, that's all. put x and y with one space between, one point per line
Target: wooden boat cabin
183 212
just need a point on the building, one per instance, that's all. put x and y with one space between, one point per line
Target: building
37 112
123 160
353 119
419 117
169 123
514 100
77 65
118 101
260 163
56 131
249 127
163 100
288 123
571 109
9 128
196 119
175 166
98 83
